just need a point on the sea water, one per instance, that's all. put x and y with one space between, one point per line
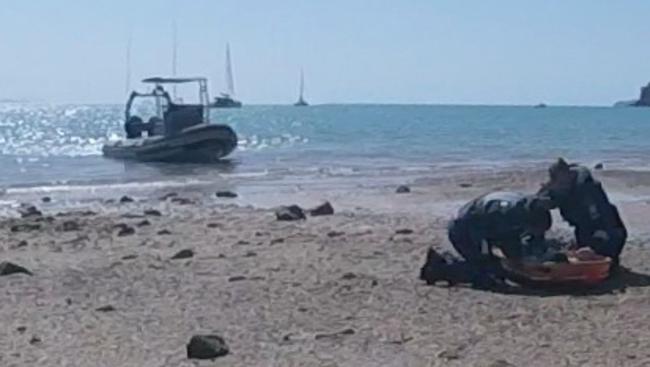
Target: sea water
45 145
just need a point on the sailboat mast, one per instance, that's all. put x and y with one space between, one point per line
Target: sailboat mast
174 54
302 84
129 42
229 77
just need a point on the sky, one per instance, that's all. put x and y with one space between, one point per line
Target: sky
578 52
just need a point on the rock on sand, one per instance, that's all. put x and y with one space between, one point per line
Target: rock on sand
207 347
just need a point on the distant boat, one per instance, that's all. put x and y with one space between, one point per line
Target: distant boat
301 100
541 105
226 99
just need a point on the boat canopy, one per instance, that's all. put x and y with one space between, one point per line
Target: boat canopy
159 80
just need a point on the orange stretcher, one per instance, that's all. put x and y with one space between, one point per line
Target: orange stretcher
584 267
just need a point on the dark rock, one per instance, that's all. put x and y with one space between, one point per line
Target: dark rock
323 209
404 231
333 234
143 223
348 276
7 268
164 232
403 189
226 194
237 278
182 201
35 340
207 347
449 355
20 244
501 363
128 231
70 226
29 211
242 243
465 185
107 308
126 199
46 199
129 257
214 225
250 254
334 334
153 213
47 219
21 329
124 230
599 166
277 240
81 213
183 254
290 213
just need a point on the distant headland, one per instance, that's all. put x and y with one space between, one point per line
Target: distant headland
643 101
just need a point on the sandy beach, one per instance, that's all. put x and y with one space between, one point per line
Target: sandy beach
339 290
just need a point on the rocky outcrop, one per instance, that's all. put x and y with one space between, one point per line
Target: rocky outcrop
644 98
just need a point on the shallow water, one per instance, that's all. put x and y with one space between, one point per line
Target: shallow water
42 145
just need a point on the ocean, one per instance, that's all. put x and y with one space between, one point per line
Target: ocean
44 145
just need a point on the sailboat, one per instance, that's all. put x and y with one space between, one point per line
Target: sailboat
301 100
226 99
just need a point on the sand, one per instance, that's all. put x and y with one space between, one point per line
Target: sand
339 290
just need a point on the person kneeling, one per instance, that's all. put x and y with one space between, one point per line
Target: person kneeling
584 204
513 222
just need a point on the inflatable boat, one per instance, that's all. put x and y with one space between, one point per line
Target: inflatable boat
177 132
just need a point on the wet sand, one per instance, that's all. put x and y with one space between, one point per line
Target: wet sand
337 290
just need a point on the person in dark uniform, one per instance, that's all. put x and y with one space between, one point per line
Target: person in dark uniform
584 204
513 222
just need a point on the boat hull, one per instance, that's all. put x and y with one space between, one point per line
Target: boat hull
200 143
226 103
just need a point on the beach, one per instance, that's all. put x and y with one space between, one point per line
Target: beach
339 290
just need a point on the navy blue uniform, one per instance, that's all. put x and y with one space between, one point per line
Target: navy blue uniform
587 208
496 219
